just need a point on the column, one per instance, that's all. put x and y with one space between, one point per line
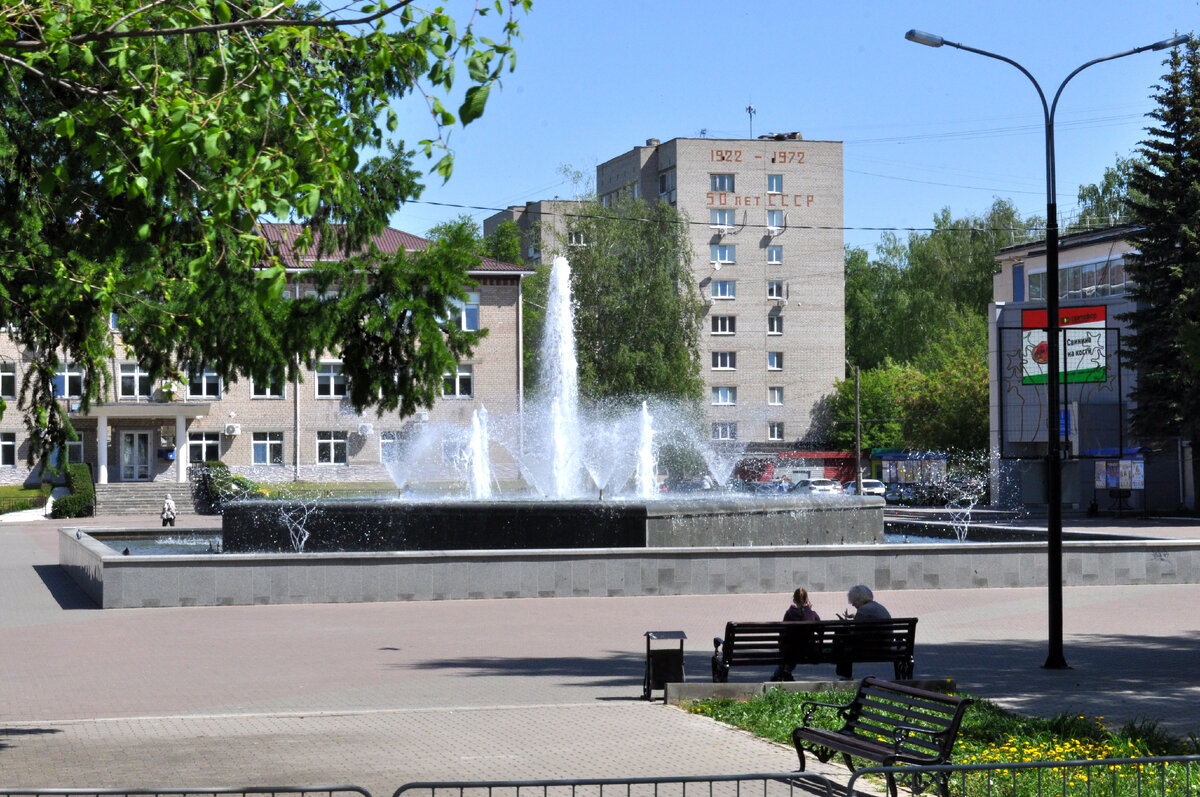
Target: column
102 449
181 449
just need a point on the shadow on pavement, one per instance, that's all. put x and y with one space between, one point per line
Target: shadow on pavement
7 733
65 591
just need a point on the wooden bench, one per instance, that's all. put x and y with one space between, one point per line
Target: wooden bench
821 642
888 723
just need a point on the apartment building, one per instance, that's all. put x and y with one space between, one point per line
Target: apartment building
146 431
765 221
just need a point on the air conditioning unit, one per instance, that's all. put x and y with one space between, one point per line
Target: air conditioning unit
233 429
365 429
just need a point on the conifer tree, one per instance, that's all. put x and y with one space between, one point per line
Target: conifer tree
1164 344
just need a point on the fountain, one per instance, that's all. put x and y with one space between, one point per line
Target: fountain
592 477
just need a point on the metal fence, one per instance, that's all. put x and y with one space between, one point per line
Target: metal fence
786 784
1165 776
272 791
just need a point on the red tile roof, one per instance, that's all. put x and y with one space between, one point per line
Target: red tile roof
389 241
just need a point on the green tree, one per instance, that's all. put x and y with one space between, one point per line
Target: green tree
1164 345
142 144
637 316
881 413
1104 204
945 400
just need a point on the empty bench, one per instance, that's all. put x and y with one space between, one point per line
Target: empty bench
888 724
820 642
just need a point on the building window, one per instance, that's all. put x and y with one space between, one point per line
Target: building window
1037 285
725 218
775 220
775 396
8 380
724 360
774 361
204 384
74 449
468 312
724 431
331 448
666 185
8 449
321 296
268 448
774 430
331 383
723 253
724 324
775 255
774 183
460 384
720 182
266 389
576 238
390 446
68 382
774 324
725 396
775 289
204 447
135 383
724 289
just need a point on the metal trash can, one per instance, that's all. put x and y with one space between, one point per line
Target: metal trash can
663 665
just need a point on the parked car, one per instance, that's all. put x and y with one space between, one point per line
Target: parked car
869 487
818 486
896 493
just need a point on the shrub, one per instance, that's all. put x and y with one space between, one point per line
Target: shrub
82 500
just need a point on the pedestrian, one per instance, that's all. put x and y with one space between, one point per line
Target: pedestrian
168 511
865 607
801 610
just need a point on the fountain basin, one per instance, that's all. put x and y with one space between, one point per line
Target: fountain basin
261 525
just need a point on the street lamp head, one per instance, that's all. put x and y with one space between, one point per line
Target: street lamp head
921 37
1167 44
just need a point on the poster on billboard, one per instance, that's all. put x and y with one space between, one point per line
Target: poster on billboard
1083 356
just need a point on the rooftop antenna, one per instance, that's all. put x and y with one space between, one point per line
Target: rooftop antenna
703 132
750 109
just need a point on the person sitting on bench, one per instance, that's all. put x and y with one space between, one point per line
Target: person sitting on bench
800 610
865 608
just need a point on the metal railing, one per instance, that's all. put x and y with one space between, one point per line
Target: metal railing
248 791
1161 776
786 784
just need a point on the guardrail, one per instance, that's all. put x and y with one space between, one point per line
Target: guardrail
785 784
1164 776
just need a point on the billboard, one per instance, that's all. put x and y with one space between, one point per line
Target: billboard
1083 340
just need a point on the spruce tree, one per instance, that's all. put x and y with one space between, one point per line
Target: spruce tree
1164 343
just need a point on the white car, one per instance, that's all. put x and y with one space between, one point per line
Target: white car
869 487
815 486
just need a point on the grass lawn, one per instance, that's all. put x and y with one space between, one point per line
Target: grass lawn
15 497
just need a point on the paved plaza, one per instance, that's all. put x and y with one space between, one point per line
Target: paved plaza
382 694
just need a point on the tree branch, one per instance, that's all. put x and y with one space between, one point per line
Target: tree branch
109 34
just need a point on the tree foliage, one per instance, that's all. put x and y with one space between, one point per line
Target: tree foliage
142 144
637 314
1105 204
916 327
1164 345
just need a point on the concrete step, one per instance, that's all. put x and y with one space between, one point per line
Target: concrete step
142 498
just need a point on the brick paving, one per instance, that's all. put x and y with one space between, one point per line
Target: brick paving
383 694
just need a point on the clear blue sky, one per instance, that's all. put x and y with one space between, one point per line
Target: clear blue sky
923 128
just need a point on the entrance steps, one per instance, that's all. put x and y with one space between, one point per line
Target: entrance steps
143 498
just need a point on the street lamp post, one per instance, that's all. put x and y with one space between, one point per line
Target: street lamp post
1054 659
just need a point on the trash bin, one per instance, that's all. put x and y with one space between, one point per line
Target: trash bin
663 665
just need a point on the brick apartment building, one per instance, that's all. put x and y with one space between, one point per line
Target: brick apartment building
765 222
304 430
